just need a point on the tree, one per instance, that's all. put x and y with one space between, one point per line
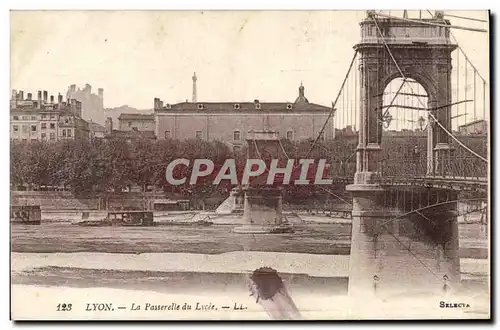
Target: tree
118 173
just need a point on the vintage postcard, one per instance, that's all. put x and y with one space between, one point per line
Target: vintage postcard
250 165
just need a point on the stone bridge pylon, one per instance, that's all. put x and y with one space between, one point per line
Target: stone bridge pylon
392 252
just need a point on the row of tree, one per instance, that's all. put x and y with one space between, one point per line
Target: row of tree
115 165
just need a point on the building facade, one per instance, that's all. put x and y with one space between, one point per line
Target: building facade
231 121
92 104
96 131
44 119
128 135
137 122
475 127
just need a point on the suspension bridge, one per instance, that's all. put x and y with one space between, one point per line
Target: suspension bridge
411 132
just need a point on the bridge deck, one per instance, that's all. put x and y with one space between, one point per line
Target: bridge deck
440 181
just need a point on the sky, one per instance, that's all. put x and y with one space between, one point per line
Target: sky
237 55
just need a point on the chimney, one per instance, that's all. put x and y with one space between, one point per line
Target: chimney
45 94
72 106
39 96
21 95
109 125
52 99
156 103
14 95
73 88
59 98
29 96
88 88
194 87
100 92
438 14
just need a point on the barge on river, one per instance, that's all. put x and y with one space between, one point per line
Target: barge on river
122 218
25 214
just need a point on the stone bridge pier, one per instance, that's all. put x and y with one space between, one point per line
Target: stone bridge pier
396 251
417 252
263 204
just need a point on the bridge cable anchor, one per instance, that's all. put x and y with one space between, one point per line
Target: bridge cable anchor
375 281
445 285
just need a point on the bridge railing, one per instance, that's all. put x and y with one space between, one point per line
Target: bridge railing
459 168
342 169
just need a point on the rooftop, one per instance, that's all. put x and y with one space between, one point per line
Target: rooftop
115 134
301 104
95 127
242 106
136 116
473 122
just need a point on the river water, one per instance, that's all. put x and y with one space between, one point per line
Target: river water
164 264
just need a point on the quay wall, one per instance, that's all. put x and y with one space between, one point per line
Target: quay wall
67 201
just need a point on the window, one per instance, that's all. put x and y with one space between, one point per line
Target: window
15 117
25 140
44 125
52 117
129 123
44 135
33 117
52 136
25 117
289 106
200 106
25 129
52 125
236 135
33 139
44 116
289 135
236 106
168 134
66 121
322 136
69 133
236 148
33 128
199 134
15 128
64 133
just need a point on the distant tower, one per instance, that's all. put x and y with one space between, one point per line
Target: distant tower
194 87
301 98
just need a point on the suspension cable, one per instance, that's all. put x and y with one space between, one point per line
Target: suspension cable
463 53
475 93
324 189
457 140
333 194
427 207
432 116
430 23
333 105
468 18
414 255
259 154
283 149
